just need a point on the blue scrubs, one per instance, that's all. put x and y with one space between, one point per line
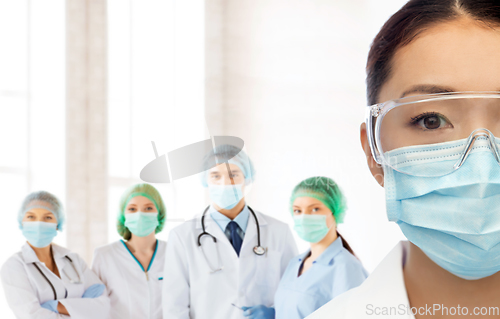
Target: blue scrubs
334 272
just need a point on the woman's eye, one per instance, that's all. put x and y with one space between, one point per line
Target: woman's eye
297 211
150 208
315 209
131 209
49 217
430 121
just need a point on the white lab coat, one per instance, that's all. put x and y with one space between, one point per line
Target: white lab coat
26 289
191 291
133 292
383 290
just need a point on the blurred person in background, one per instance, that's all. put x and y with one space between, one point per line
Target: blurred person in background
227 262
132 268
45 280
329 267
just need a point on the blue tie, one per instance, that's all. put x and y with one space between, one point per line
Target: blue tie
235 238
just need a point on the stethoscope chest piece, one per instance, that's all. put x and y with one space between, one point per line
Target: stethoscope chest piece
259 250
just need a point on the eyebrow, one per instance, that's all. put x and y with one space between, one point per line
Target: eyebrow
232 171
44 214
427 89
318 204
315 204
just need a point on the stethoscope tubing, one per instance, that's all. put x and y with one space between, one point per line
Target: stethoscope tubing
50 283
205 233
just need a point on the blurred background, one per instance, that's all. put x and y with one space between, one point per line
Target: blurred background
86 85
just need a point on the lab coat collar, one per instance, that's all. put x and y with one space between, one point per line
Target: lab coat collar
212 228
29 255
249 240
209 220
385 287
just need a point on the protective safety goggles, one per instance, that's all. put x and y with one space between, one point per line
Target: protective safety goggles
433 132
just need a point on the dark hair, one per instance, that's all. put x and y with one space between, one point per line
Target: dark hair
346 245
413 18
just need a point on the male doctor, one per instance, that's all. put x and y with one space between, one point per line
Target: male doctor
229 259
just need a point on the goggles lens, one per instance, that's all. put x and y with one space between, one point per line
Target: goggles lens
432 136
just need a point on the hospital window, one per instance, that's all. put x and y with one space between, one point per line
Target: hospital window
32 116
155 93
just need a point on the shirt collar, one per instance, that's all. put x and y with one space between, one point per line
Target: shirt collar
241 219
326 256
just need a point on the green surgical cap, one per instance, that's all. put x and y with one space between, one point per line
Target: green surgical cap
325 190
150 193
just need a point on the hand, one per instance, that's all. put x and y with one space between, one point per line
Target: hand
94 291
62 310
51 305
258 312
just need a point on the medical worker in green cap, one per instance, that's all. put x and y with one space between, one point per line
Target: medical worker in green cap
132 268
329 267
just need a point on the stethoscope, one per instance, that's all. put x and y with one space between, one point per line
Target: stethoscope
76 282
258 250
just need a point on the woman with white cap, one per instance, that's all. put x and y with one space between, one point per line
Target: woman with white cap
45 280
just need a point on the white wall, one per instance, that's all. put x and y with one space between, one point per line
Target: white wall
291 83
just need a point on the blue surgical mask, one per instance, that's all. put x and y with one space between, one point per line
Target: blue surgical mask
39 234
226 196
311 228
454 219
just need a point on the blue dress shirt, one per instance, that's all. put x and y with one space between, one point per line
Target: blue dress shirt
334 272
222 221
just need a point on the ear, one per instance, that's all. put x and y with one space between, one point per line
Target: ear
334 222
376 169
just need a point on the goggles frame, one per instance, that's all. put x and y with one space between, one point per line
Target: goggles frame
375 114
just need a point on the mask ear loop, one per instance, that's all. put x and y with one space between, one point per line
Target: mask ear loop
494 148
469 145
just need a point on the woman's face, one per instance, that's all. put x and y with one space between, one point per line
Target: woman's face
140 204
455 56
39 215
312 206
